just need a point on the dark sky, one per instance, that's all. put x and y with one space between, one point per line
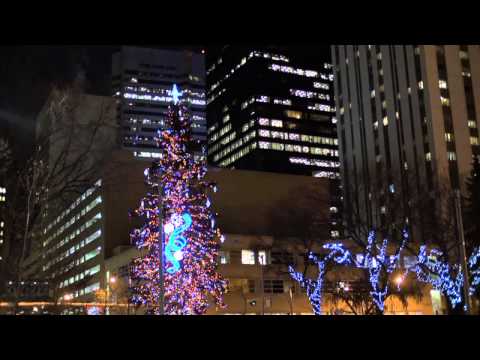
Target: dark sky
28 72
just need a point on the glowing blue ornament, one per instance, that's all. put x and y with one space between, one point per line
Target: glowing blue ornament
176 243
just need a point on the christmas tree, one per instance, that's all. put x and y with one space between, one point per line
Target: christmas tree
190 235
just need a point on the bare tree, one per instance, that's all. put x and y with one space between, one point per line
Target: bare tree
74 137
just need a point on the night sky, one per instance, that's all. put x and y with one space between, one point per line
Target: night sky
29 72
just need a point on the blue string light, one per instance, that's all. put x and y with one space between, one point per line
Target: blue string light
474 272
430 269
374 260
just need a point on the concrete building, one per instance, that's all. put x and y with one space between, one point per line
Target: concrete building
408 118
142 81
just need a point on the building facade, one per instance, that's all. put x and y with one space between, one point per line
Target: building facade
142 82
408 118
269 111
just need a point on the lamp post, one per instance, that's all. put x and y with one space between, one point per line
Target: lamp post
262 260
161 245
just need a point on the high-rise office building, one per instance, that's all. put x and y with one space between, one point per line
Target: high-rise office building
270 110
408 118
142 81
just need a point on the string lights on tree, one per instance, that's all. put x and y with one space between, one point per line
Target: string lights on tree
446 278
191 237
375 260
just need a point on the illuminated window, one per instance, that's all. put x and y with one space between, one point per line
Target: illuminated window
334 234
293 114
264 133
293 136
442 84
472 124
263 121
451 156
277 123
448 137
248 257
428 156
224 257
444 101
276 135
420 85
473 140
262 257
463 55
385 121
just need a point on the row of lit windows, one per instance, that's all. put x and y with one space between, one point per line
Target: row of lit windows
234 146
143 89
297 148
90 272
165 99
321 107
89 289
274 67
297 137
88 256
248 126
309 94
286 102
238 155
300 72
73 206
219 134
321 85
90 206
326 174
79 245
314 162
270 122
275 57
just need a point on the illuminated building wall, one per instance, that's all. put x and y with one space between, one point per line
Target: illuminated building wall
142 80
269 112
78 237
408 118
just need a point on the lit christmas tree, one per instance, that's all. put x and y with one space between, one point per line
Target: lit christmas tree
191 237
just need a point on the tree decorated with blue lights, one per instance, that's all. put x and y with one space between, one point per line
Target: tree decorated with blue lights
191 237
432 267
375 261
